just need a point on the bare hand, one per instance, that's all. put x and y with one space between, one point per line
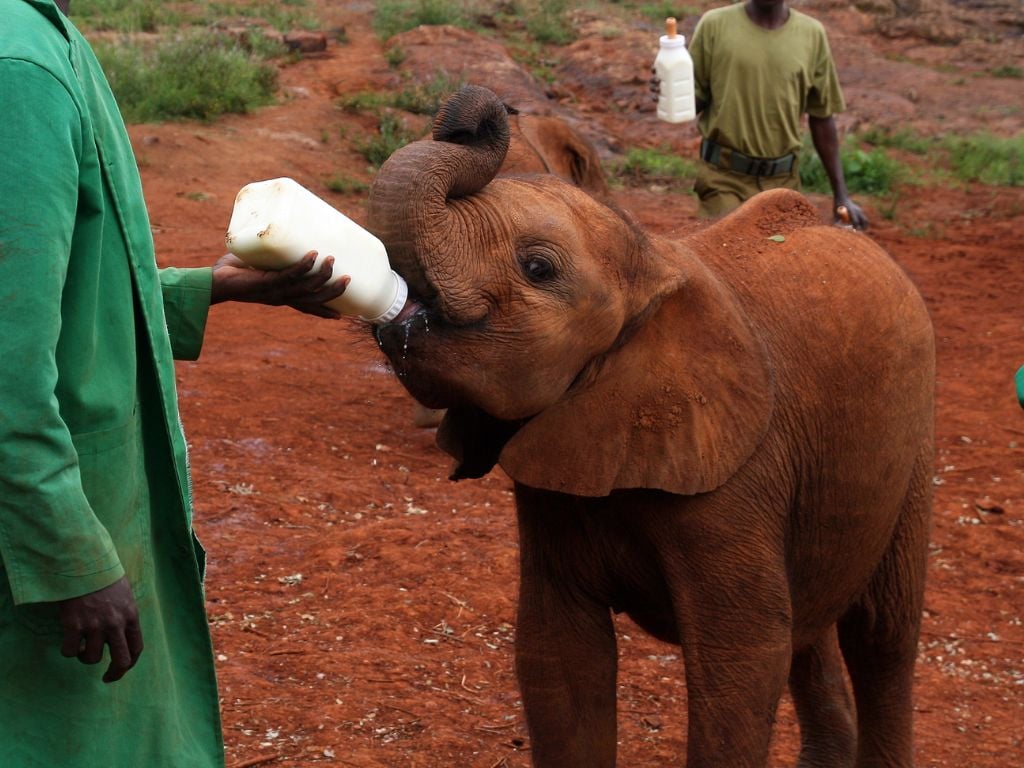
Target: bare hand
299 286
654 85
105 617
848 213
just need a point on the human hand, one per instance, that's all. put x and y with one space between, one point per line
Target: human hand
654 85
298 286
105 617
847 213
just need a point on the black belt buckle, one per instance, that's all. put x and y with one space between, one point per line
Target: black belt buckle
759 167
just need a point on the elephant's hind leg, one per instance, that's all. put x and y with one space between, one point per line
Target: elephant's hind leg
828 737
879 636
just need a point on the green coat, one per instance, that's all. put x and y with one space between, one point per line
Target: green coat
93 467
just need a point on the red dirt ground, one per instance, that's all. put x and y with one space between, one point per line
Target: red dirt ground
362 604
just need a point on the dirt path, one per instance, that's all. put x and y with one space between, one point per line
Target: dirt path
362 605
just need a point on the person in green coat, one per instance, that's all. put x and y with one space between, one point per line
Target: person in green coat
98 561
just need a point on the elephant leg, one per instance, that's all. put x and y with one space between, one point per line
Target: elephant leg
566 660
733 611
828 736
879 636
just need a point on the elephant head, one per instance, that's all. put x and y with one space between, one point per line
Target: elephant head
545 321
546 144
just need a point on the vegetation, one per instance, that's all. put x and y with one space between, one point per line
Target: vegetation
199 75
870 172
987 159
131 16
391 135
652 166
395 16
419 98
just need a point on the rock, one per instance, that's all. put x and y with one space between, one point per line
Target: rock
305 42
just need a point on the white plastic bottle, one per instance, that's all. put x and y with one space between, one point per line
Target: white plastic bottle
674 69
276 222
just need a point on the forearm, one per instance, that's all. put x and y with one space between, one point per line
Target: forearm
826 143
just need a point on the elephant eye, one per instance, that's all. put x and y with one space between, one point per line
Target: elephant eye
537 269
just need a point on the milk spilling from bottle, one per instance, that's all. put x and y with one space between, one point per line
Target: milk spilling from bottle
275 223
674 69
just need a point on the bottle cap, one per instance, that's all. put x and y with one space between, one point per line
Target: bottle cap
671 38
401 294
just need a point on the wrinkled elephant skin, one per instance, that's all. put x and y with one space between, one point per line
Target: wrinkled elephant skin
728 438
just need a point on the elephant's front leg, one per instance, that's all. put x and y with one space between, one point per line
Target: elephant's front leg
733 611
565 657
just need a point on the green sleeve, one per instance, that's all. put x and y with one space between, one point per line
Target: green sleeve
186 295
701 55
52 544
826 96
1020 386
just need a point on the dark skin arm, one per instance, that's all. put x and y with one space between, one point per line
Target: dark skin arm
299 286
826 144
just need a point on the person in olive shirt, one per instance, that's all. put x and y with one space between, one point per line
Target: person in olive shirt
759 66
97 554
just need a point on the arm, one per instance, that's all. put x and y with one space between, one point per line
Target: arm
53 547
826 144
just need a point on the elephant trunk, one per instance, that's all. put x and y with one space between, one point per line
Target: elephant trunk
409 201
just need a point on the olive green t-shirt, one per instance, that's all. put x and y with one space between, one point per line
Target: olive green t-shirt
759 82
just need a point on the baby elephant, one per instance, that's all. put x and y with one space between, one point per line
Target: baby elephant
728 437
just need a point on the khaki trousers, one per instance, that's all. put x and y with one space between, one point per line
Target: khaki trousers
721 190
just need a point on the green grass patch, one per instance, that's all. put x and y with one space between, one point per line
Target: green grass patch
391 135
419 98
547 22
346 185
870 172
392 17
283 15
652 166
1008 71
987 159
903 139
198 75
123 15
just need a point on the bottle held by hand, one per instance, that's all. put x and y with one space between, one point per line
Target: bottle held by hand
276 222
674 69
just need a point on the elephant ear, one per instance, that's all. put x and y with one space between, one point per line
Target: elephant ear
474 439
680 406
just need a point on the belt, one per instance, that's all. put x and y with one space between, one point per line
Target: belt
726 157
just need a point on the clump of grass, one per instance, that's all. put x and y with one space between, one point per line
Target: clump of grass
426 98
866 172
903 139
987 159
419 98
1008 71
127 16
392 17
346 185
548 23
282 15
391 136
199 75
653 166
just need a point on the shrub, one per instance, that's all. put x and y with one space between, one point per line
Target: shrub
866 173
120 15
394 16
199 75
662 166
548 23
987 159
392 135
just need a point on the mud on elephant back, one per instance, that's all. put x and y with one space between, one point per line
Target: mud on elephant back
727 437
